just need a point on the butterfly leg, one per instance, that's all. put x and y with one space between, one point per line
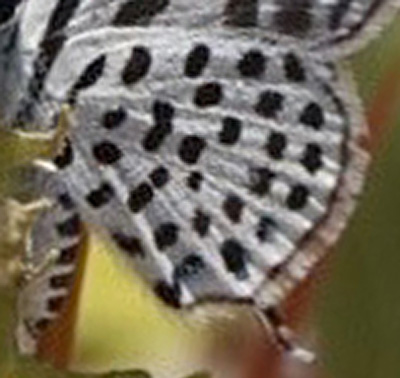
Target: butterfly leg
272 319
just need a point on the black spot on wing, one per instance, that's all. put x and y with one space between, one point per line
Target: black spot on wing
261 180
61 281
137 66
294 18
269 104
70 227
42 324
233 208
201 223
159 177
194 181
89 77
190 149
231 130
163 114
313 116
197 61
264 228
312 158
209 94
298 197
106 153
235 258
242 13
65 201
100 196
139 12
170 294
276 145
61 16
129 244
114 118
140 197
166 235
252 64
55 304
68 255
49 48
189 267
294 68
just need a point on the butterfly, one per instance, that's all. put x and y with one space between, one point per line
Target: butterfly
217 143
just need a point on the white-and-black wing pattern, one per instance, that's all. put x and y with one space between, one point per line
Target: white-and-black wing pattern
209 139
58 231
227 152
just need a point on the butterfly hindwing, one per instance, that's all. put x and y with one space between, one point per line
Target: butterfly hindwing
211 140
212 159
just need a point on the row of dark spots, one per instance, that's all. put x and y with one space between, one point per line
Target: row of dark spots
233 207
261 180
163 114
191 146
252 64
271 102
104 152
70 227
141 196
235 258
312 156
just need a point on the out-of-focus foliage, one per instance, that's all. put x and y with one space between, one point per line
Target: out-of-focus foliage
359 310
133 374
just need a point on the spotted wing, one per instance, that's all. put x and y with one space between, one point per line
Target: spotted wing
322 27
325 25
208 161
57 232
321 23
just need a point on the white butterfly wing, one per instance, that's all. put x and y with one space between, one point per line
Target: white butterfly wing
213 140
320 23
227 154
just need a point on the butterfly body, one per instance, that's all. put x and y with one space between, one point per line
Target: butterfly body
212 142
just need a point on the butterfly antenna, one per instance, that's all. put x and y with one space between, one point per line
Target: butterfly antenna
273 321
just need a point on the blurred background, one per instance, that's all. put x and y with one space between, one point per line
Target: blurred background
349 310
